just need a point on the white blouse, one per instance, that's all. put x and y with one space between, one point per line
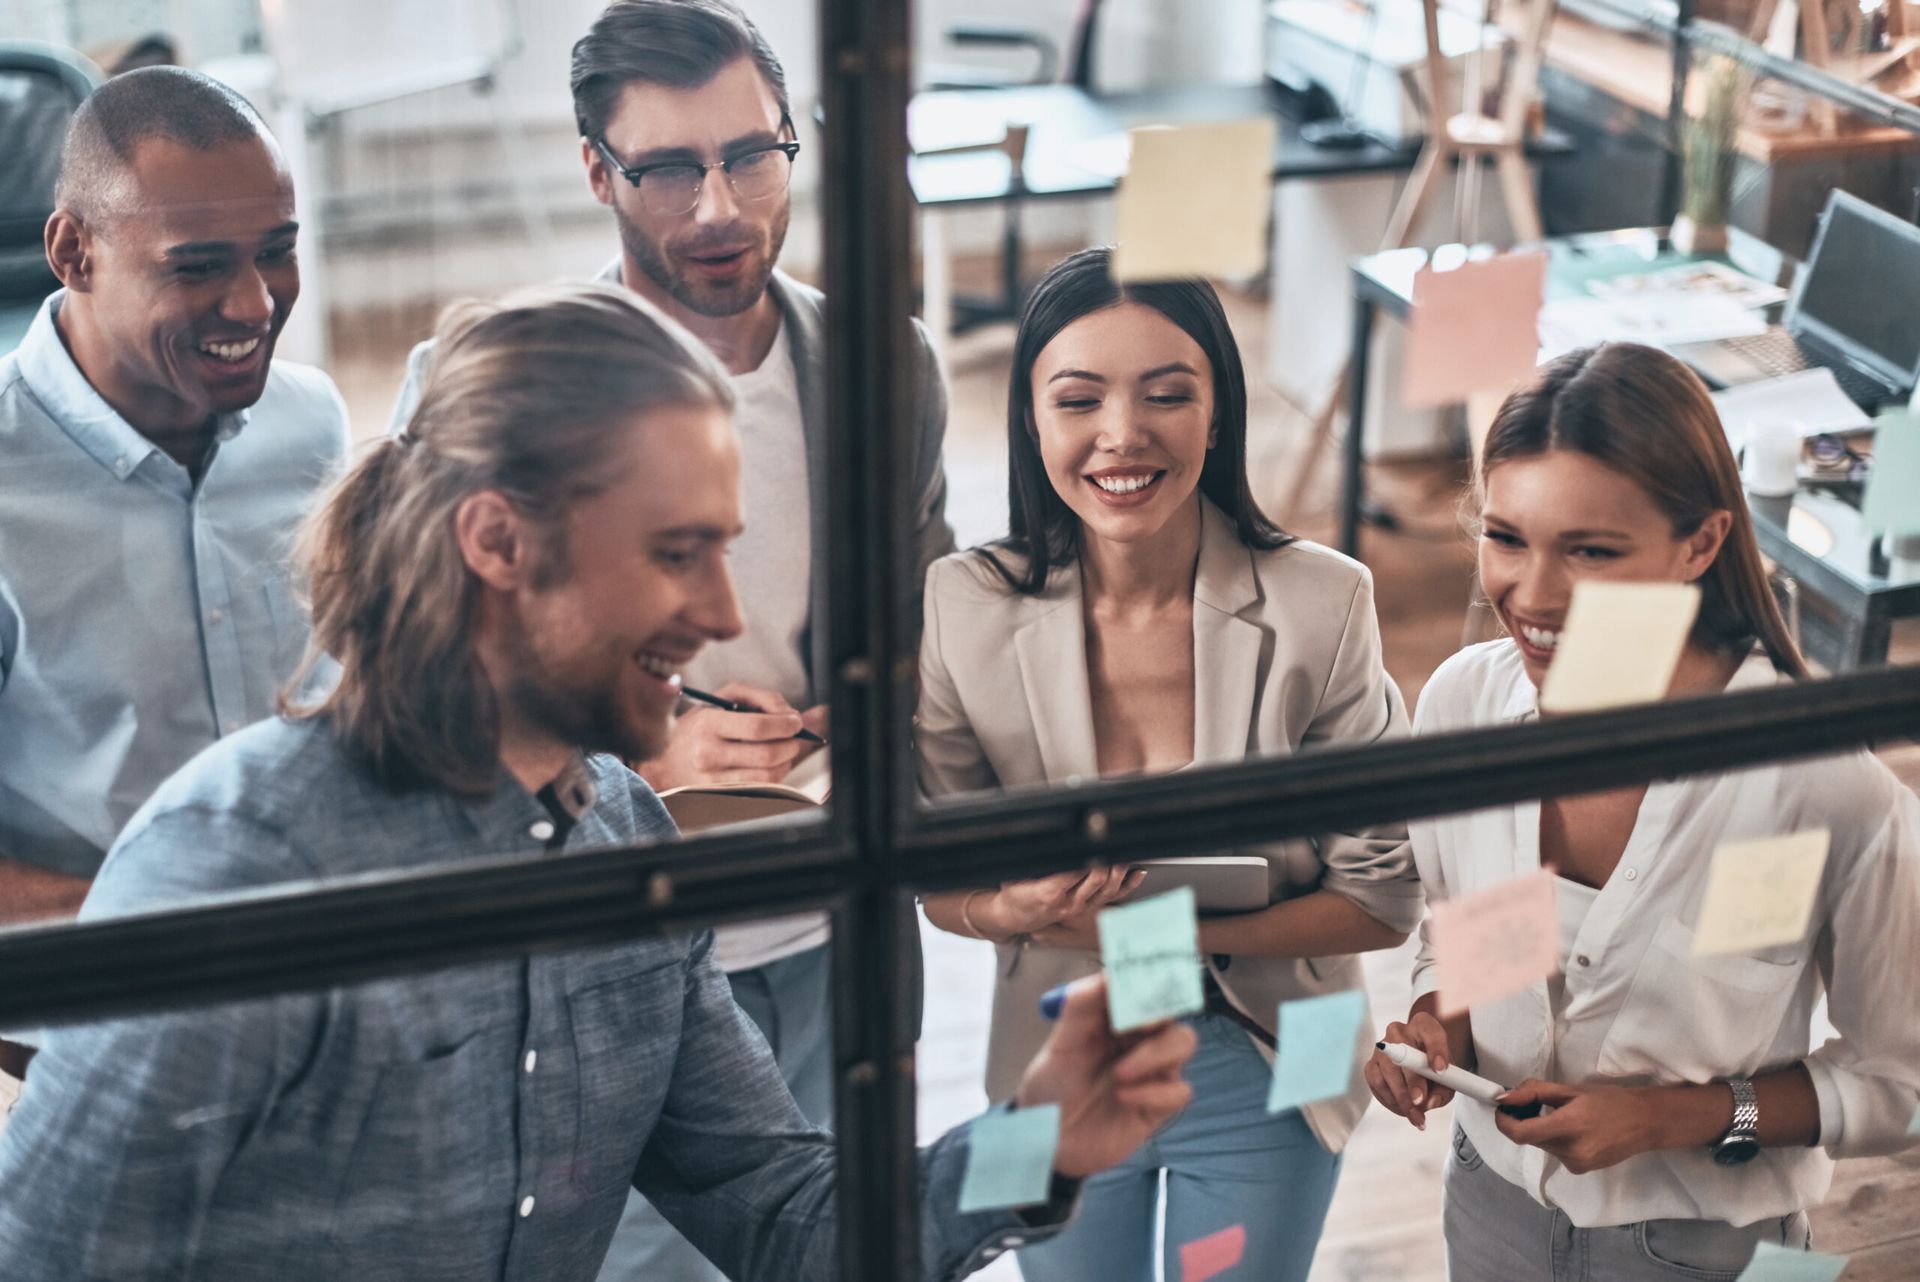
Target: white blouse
1637 1007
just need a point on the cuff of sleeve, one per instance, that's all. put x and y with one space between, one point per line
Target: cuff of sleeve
1426 979
1826 1089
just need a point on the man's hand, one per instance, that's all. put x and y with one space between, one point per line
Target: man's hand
710 746
1114 1090
29 893
1588 1128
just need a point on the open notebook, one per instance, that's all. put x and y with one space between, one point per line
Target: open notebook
698 807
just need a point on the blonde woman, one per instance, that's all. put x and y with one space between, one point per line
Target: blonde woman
1692 1118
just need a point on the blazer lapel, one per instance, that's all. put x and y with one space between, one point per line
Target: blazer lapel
1226 647
805 338
1052 650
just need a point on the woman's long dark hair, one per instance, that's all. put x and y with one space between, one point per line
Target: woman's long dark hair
1042 530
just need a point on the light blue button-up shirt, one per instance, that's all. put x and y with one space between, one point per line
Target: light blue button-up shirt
481 1121
142 616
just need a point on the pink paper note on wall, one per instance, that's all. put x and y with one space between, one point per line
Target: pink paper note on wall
1212 1255
1495 942
1474 328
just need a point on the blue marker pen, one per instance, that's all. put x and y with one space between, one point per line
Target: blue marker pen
1053 1001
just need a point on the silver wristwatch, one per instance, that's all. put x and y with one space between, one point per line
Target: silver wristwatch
1741 1143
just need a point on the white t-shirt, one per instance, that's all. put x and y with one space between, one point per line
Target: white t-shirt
772 565
1635 1006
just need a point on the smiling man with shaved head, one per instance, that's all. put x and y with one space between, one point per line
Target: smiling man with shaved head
154 462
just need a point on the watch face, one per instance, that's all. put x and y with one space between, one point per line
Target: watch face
1735 1150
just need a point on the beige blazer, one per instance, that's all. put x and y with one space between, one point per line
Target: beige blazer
1286 653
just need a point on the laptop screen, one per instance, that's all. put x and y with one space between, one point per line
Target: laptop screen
1861 283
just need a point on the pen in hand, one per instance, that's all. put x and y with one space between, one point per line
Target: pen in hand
730 705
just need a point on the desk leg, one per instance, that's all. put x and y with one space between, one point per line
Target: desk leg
1867 641
1353 480
936 279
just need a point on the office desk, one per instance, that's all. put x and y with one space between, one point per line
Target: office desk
1076 149
1816 539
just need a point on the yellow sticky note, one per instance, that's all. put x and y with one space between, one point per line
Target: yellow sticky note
1495 942
1473 328
1760 892
1195 201
1619 644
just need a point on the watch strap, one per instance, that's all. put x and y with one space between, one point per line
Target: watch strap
1746 1110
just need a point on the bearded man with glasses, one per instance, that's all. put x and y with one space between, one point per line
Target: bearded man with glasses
686 132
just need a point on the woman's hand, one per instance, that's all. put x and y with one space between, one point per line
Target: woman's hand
1588 1128
1406 1093
1031 907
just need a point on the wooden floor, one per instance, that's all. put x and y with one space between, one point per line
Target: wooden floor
1385 1222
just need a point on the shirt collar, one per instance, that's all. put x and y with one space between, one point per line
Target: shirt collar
1755 672
507 818
81 412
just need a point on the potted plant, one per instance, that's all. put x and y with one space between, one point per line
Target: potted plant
1708 156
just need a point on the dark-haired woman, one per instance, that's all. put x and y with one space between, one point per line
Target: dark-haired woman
1143 615
1691 1118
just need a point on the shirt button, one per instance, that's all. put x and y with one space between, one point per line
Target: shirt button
1584 960
214 617
120 464
526 1206
541 830
233 726
1631 874
533 1057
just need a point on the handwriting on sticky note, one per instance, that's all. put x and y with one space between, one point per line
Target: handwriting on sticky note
1891 504
1010 1158
1195 201
1151 951
1473 328
1760 892
1212 1255
1779 1264
1619 644
1495 942
1315 1056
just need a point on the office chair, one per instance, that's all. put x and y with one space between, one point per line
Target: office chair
41 85
971 312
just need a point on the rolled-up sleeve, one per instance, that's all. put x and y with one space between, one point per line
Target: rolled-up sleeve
1372 866
1868 1078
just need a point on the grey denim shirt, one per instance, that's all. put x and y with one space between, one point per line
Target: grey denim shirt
478 1122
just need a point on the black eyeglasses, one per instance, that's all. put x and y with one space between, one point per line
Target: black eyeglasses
673 188
1835 459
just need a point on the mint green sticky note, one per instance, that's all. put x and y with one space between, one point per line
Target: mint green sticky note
1010 1158
1778 1264
1314 1060
1892 501
1151 950
1913 1127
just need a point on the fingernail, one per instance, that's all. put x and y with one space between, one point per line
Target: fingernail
1420 1122
1420 1099
1501 1097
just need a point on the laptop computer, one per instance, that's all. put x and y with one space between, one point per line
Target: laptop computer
1855 309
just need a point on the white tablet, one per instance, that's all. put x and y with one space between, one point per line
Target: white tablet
1221 883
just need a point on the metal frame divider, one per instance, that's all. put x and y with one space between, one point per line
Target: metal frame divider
876 847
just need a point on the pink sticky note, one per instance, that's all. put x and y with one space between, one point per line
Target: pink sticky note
1473 328
1212 1255
1495 942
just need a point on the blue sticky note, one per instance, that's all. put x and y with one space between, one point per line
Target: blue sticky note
1314 1060
1151 950
1913 1127
1010 1158
1891 504
1778 1264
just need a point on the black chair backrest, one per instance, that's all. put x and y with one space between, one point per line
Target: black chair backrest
41 87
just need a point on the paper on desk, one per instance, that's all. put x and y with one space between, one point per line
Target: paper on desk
1892 501
1619 644
1151 951
1473 328
1809 399
1760 892
1567 323
1010 1158
1212 1255
1195 201
1780 1264
1314 1059
1495 942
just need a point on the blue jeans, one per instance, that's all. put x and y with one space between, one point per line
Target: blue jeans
788 1000
1227 1161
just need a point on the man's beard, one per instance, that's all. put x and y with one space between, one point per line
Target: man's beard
581 712
701 297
